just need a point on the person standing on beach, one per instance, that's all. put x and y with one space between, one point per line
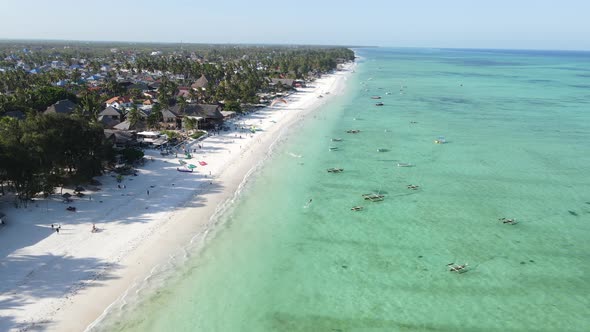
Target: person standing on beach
148 192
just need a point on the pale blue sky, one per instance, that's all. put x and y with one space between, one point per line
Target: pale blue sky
529 24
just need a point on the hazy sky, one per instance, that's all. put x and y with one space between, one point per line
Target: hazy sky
534 24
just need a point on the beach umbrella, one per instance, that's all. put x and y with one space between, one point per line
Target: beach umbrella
66 195
278 100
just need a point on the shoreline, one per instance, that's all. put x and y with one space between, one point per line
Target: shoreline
143 232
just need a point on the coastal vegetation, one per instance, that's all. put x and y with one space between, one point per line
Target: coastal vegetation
40 153
42 149
233 73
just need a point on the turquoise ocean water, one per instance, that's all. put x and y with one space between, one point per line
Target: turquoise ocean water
517 126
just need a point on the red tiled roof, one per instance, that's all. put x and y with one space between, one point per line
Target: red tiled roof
119 99
112 100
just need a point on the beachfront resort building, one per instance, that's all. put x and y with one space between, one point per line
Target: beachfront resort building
119 102
151 138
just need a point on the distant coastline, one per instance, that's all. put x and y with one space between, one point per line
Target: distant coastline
175 43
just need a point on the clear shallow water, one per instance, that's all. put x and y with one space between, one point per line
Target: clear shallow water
518 129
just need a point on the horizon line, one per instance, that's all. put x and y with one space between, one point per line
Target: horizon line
281 44
176 42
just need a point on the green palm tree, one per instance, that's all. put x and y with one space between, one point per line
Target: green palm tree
133 116
90 105
182 103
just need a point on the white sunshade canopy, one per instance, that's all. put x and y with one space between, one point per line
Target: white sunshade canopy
148 133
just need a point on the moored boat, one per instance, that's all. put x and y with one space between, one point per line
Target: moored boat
373 197
457 268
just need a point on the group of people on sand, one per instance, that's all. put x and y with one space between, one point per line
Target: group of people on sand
56 227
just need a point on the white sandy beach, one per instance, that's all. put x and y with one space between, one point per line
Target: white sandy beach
65 281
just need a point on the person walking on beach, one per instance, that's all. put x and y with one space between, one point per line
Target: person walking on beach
148 192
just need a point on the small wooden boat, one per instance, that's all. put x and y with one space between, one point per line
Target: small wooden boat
353 131
379 104
185 170
333 148
382 150
405 165
373 197
457 268
508 221
356 208
375 97
335 170
336 139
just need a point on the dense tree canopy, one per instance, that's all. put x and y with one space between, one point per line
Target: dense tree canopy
41 152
